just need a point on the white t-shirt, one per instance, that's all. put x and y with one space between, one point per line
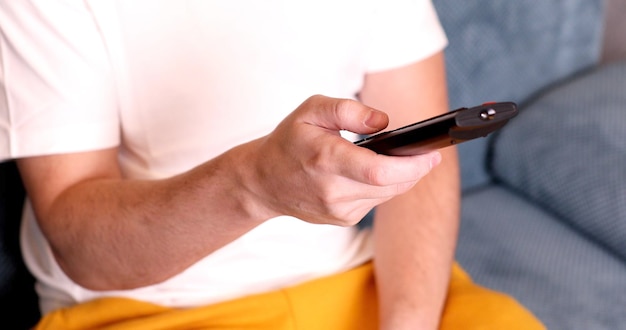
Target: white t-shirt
175 83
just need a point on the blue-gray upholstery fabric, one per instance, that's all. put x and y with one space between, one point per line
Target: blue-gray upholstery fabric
509 50
510 244
567 152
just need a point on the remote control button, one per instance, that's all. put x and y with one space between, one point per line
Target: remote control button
487 114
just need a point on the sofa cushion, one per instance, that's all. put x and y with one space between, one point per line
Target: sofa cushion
510 244
567 152
508 50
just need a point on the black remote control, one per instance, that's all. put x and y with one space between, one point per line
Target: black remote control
448 129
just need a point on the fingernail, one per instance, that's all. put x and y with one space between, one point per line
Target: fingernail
375 119
435 160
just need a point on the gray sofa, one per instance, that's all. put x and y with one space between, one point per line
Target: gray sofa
544 200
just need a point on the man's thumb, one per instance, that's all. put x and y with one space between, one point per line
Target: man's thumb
343 114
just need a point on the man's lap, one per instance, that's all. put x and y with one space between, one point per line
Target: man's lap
342 301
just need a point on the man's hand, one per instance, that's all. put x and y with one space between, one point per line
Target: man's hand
307 170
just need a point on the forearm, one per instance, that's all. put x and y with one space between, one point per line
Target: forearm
415 237
114 233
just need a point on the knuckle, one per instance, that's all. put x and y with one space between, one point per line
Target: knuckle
311 101
375 175
324 159
314 98
328 199
318 165
342 107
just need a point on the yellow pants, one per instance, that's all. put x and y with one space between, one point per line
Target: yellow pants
343 301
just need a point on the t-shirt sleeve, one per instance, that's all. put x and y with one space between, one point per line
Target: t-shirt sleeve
57 93
404 31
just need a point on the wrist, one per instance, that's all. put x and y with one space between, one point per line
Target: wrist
246 187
